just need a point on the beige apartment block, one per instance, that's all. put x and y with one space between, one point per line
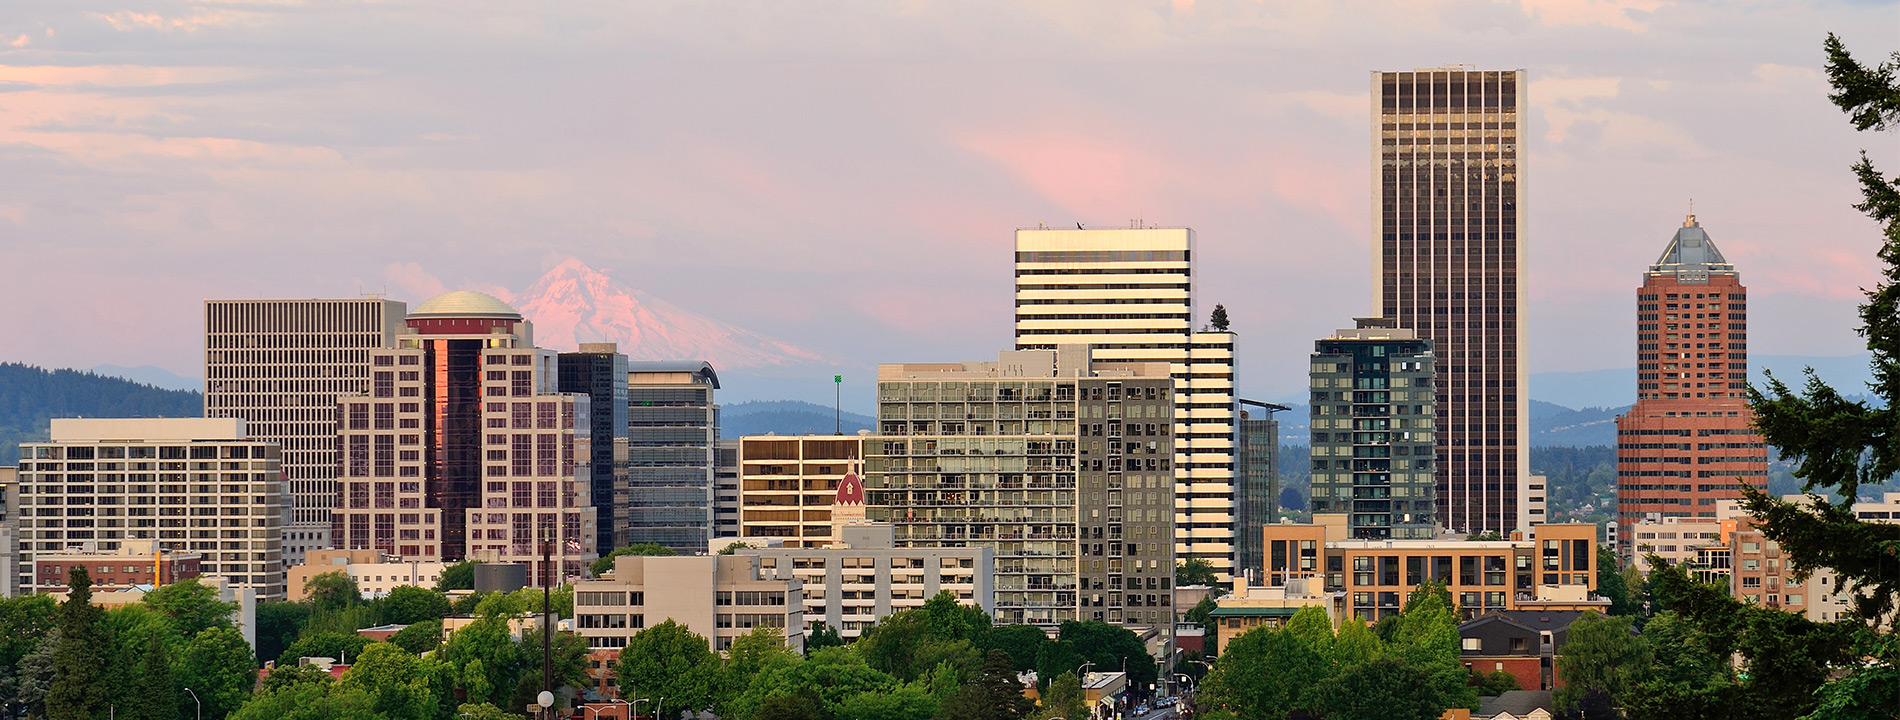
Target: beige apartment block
1129 293
720 597
1250 606
281 365
1552 567
787 483
198 485
1760 574
375 573
864 578
1063 466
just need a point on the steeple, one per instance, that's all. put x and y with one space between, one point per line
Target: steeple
1691 256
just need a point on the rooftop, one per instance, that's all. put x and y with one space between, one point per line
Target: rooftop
465 303
1691 255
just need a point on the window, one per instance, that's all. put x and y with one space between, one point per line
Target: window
1472 645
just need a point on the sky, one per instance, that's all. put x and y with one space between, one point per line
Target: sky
847 176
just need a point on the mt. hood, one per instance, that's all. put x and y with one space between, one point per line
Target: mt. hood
574 303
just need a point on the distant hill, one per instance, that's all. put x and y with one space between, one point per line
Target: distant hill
1558 426
152 375
786 417
30 396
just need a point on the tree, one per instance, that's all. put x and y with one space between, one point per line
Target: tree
283 676
1194 571
669 661
733 547
1382 689
218 666
489 663
1611 584
822 635
830 677
34 677
1111 648
310 701
27 620
192 605
1022 642
1602 654
996 694
1686 679
1355 644
1264 674
78 686
157 697
751 655
1063 699
419 638
606 562
481 711
1219 318
911 701
1426 638
1497 682
408 604
460 576
278 625
909 643
333 590
790 706
1202 614
398 682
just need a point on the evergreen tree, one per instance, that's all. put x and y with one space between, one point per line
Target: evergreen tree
1219 319
157 695
996 694
78 662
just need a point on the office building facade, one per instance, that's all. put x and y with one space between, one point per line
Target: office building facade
599 371
726 489
1257 479
281 365
175 485
1449 263
1062 467
1129 294
1687 439
787 484
673 428
463 449
1373 428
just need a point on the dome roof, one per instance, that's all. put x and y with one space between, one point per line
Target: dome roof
465 303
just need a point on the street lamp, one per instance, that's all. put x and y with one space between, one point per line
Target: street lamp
201 705
1189 679
636 707
1079 668
658 707
610 703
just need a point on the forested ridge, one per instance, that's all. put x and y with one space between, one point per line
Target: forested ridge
31 396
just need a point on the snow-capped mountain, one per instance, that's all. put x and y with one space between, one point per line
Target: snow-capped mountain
573 303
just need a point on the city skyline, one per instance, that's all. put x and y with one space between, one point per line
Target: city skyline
145 165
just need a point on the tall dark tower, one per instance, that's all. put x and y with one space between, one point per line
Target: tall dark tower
1680 449
1449 264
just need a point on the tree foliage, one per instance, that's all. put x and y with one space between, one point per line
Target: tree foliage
669 661
193 606
78 685
333 590
1218 320
1194 571
606 562
995 693
460 576
1386 688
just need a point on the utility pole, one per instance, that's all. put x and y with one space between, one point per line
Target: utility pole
547 622
837 407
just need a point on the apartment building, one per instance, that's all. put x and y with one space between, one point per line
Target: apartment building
1256 479
720 597
1374 427
673 430
199 485
1062 466
787 484
1550 567
726 489
11 579
1129 293
864 577
464 449
281 365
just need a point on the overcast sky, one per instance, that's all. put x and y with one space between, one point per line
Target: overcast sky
847 176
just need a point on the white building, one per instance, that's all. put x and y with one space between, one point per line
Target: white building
1129 293
719 597
864 578
375 573
280 365
192 484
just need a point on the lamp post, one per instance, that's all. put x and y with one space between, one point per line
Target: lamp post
636 707
1189 679
658 707
200 704
1079 669
610 703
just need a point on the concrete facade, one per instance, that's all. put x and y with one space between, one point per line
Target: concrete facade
864 578
189 484
375 574
1061 465
720 597
1129 293
787 484
281 365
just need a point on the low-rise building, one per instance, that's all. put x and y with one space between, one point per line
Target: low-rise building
864 578
720 597
1524 644
197 485
134 563
375 573
1251 606
1553 566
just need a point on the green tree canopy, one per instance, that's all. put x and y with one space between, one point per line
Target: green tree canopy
192 606
408 604
78 686
995 695
1063 699
668 660
1194 571
1385 688
218 666
332 591
419 637
606 562
460 576
1601 654
487 662
1112 648
1022 642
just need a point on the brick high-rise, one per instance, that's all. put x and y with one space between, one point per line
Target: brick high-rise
1449 262
1687 440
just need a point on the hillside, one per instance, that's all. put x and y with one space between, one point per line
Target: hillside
786 417
30 396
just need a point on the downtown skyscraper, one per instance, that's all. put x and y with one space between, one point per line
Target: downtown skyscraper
1449 263
1128 293
1681 448
281 365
